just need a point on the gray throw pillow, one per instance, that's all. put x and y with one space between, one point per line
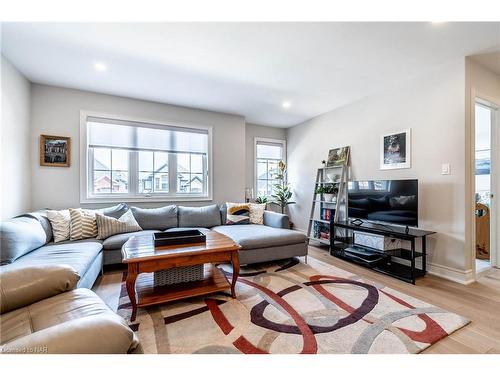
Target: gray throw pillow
115 211
156 218
199 217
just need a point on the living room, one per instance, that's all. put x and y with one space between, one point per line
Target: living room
250 187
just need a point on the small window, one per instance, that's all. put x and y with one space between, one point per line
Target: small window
268 154
132 160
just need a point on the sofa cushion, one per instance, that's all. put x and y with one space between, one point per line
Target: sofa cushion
77 254
41 216
77 321
115 211
116 242
24 286
254 236
205 217
156 218
19 236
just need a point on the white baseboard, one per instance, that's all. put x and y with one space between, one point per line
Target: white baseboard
453 274
485 272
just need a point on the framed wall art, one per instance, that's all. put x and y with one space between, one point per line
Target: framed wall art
55 151
395 150
338 157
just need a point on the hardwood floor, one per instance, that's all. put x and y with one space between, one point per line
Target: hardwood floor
479 302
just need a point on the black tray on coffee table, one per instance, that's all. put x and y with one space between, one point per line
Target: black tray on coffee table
179 237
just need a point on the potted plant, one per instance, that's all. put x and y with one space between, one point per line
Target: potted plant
320 189
261 200
282 192
328 191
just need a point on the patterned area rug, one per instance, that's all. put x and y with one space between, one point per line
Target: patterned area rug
292 307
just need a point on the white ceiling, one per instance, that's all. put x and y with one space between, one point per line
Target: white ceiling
243 68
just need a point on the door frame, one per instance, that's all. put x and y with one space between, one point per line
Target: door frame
488 101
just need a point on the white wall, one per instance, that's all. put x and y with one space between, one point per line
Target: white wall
257 131
433 107
15 167
56 111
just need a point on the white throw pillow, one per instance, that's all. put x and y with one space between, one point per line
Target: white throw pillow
257 213
61 223
108 226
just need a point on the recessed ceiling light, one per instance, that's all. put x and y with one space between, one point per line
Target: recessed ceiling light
100 67
286 104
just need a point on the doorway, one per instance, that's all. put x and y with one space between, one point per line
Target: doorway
486 160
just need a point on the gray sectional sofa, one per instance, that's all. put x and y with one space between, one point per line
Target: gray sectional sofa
26 240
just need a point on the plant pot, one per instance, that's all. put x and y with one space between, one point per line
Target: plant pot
328 197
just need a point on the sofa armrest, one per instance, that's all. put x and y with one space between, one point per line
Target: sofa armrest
87 335
20 287
276 220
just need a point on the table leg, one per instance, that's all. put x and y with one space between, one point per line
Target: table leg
413 261
424 254
130 283
236 271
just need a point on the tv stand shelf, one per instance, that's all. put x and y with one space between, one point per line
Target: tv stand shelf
398 263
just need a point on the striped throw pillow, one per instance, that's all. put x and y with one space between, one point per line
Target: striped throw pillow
60 222
108 226
83 224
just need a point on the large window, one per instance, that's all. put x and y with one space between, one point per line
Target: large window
133 160
268 153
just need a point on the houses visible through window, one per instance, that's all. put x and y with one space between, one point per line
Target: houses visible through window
137 160
268 153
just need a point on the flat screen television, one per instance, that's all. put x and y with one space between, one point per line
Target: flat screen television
388 201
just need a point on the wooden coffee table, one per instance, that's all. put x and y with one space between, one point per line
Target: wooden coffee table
141 256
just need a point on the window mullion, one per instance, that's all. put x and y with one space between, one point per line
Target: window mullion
90 171
205 174
133 176
172 173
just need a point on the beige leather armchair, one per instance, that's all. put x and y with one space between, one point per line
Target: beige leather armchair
42 312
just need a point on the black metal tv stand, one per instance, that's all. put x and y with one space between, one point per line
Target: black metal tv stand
398 263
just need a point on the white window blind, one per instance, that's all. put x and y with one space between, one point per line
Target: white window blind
132 160
140 136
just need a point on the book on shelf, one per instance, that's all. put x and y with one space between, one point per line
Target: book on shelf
321 230
327 213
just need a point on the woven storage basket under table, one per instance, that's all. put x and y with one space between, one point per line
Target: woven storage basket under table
178 275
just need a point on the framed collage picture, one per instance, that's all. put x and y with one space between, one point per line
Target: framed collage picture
55 151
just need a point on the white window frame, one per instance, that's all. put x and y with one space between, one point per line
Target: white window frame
86 164
282 142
